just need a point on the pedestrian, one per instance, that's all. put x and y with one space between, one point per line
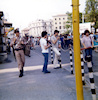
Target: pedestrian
45 51
87 42
8 46
27 45
81 37
33 43
17 43
69 40
65 40
62 41
56 46
96 42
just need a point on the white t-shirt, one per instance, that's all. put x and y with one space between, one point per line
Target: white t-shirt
43 43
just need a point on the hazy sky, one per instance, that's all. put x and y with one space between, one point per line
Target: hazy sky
22 12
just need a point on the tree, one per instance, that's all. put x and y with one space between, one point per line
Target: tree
68 25
80 17
91 12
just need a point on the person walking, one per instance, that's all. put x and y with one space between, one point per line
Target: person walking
56 46
17 43
45 51
27 45
87 42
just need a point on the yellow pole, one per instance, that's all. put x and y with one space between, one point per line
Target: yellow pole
76 41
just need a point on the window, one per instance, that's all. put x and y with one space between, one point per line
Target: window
59 22
55 22
59 18
55 18
55 27
63 27
59 27
63 18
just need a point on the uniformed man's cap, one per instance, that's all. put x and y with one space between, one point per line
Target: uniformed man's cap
16 30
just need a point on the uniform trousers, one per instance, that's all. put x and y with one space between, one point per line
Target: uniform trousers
20 58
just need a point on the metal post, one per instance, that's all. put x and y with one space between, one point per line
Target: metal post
71 63
82 69
76 42
51 55
60 59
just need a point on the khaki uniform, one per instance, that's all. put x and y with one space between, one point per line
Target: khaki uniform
19 53
27 46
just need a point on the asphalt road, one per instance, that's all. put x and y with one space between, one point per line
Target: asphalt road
35 85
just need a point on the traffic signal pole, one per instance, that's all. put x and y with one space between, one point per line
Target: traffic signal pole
76 41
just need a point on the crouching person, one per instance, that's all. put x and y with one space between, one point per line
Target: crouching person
45 51
17 43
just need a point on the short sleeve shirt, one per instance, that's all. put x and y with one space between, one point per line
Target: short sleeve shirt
54 45
43 43
87 41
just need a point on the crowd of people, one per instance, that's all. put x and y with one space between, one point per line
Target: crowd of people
22 46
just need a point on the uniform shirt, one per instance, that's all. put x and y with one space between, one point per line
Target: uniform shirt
87 41
17 44
43 43
53 38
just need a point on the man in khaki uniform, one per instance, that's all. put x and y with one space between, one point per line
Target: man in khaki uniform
18 43
27 41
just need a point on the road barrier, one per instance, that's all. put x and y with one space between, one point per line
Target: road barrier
71 63
60 59
82 68
91 77
90 69
51 54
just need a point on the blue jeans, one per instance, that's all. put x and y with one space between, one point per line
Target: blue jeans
45 61
88 52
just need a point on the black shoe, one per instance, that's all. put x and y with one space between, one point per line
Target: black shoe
22 71
21 74
47 72
57 67
59 60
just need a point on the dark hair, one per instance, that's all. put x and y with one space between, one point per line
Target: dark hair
56 31
16 30
86 31
82 34
44 33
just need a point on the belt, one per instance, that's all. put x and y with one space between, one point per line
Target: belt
18 49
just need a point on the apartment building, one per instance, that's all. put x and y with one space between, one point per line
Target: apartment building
35 28
59 23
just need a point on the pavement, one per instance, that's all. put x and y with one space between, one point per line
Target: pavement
35 85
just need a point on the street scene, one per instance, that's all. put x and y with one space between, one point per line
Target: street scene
48 52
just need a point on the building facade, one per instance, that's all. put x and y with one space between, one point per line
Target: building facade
25 31
59 22
35 28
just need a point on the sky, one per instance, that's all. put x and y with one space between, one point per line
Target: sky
22 12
